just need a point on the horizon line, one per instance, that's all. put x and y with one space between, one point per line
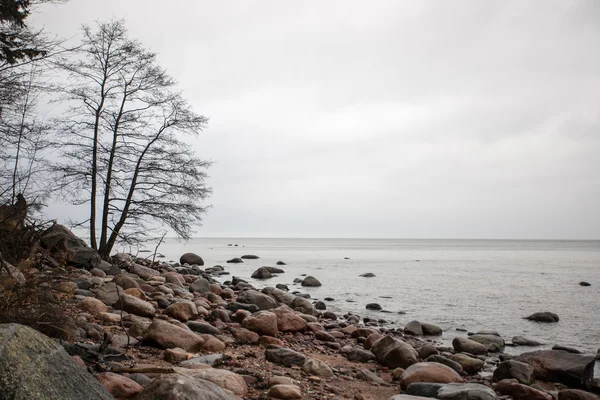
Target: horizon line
382 238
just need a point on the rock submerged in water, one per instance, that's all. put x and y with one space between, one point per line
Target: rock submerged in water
584 283
523 341
367 275
191 259
493 343
249 257
465 345
33 366
544 316
262 273
413 328
373 306
311 281
235 261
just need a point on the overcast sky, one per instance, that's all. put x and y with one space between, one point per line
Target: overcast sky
421 119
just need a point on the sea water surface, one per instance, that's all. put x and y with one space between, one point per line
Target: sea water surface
467 284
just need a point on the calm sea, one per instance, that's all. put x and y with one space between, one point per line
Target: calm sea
469 284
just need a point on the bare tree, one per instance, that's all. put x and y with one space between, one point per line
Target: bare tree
24 57
122 142
24 138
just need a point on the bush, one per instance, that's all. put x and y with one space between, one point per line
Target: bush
30 293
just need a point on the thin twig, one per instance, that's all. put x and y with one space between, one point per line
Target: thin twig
157 246
121 319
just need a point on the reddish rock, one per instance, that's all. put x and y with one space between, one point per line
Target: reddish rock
429 372
168 336
324 336
119 386
371 339
93 306
244 336
285 392
182 311
212 344
262 322
176 355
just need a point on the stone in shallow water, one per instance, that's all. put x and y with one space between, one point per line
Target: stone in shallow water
544 316
558 366
523 341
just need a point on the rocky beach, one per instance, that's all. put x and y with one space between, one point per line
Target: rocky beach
143 329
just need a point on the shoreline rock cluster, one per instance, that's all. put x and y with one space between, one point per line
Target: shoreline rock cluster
191 336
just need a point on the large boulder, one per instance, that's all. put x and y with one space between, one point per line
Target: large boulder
432 372
262 301
512 369
559 366
464 391
33 366
311 281
544 316
465 345
60 241
180 387
168 336
262 322
394 353
191 259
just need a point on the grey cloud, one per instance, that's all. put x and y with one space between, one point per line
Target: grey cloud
384 119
